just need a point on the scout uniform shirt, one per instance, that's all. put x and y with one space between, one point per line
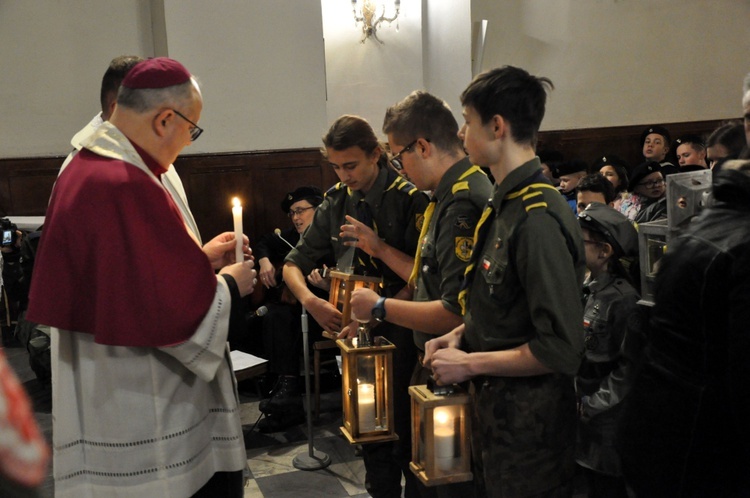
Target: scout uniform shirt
528 274
528 265
397 210
446 247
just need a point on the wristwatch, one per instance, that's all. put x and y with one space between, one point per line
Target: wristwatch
378 311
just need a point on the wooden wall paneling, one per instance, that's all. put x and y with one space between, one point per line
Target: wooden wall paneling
589 144
6 207
210 184
282 174
277 182
31 192
26 184
259 179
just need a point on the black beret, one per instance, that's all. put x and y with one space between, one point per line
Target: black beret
547 156
689 139
311 194
659 130
642 171
611 160
570 167
615 226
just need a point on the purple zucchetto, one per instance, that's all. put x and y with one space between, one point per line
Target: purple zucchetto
159 72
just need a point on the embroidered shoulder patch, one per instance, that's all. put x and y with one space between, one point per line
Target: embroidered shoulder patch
463 222
464 245
420 222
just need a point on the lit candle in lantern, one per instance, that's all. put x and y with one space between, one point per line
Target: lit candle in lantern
444 438
366 405
237 219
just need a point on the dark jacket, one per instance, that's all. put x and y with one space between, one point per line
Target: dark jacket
612 325
685 423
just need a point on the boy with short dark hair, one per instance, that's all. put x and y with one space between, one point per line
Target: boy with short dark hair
521 342
594 188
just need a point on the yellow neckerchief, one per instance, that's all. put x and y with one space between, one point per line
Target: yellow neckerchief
460 184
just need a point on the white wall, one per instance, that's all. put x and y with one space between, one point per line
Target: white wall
365 78
621 62
430 50
447 50
52 58
265 67
260 64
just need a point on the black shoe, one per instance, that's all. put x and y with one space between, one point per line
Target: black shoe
278 423
284 398
269 393
267 383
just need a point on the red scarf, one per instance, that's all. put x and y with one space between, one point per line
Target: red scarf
115 259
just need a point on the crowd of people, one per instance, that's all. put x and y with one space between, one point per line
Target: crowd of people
522 285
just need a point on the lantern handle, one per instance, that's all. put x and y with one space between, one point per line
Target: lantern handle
363 335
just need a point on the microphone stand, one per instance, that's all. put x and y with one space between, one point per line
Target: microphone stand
313 459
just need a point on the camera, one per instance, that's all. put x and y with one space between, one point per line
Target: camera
9 235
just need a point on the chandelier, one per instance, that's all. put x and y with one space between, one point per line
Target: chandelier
371 13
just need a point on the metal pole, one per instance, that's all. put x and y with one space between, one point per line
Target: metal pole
313 459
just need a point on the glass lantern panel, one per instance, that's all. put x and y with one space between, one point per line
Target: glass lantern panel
447 437
372 409
656 248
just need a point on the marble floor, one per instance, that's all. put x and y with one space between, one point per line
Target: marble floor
270 456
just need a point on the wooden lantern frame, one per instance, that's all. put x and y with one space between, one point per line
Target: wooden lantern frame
382 359
347 282
423 446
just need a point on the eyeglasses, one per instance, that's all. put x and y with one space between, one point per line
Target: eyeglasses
195 131
298 212
396 160
595 242
652 183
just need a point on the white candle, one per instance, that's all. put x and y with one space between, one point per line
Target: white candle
444 436
237 219
366 407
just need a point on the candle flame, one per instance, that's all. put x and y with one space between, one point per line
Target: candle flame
441 417
236 202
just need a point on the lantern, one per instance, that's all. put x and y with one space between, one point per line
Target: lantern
441 430
652 244
342 285
367 390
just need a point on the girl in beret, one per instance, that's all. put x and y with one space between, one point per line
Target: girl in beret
646 198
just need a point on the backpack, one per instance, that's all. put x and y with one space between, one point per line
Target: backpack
38 343
34 336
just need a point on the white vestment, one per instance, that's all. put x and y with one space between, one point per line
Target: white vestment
144 422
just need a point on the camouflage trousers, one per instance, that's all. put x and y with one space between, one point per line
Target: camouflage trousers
523 436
